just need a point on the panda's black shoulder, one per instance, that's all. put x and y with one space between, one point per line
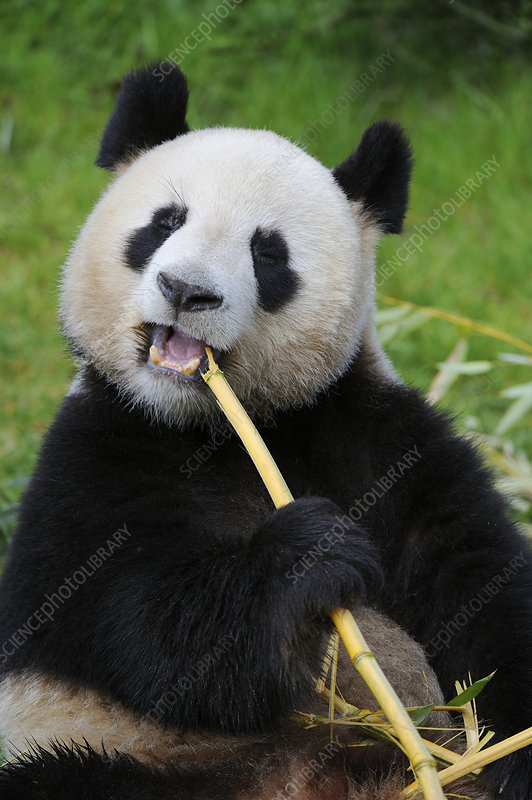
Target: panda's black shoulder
364 426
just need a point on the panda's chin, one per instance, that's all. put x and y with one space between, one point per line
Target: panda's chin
174 352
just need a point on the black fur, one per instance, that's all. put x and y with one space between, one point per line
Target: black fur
277 282
148 111
145 241
378 173
204 560
80 772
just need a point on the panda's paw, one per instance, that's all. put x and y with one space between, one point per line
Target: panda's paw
317 556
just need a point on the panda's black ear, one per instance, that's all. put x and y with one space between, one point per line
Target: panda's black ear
149 110
378 173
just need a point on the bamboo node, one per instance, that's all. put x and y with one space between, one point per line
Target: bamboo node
422 763
360 656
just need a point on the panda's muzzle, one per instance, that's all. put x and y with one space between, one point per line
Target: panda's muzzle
173 350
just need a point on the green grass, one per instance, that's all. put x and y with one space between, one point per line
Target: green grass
460 86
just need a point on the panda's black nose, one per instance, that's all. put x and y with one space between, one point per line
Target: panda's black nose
186 296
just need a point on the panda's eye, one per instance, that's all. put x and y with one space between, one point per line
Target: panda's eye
277 283
143 242
268 246
169 218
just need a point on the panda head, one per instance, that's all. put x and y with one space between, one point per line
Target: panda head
231 238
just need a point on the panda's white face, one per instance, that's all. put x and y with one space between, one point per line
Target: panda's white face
230 238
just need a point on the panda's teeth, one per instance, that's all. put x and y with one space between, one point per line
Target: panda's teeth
155 356
189 368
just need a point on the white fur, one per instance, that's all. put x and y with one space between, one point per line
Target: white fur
39 708
232 181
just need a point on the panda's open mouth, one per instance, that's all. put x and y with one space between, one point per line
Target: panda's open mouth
175 352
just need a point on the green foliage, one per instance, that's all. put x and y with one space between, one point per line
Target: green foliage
471 692
457 77
419 714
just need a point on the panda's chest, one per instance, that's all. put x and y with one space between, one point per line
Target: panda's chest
233 503
223 488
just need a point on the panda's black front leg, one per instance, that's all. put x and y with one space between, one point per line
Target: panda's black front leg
231 630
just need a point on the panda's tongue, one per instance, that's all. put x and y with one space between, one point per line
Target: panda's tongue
182 348
172 349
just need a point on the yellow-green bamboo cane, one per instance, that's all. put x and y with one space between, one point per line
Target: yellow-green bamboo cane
363 660
468 764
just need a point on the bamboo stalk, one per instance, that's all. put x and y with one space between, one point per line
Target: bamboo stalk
332 693
468 764
327 661
251 438
363 660
14 758
458 319
469 715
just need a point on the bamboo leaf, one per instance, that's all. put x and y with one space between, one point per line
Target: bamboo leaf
387 332
471 692
466 367
521 390
413 321
515 358
407 323
443 380
391 314
419 715
365 743
516 411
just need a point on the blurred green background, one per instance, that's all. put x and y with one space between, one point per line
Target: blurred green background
455 74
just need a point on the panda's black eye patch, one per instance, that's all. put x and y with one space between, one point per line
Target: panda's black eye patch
170 218
277 282
142 243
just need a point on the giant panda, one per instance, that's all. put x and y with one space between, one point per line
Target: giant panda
159 621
